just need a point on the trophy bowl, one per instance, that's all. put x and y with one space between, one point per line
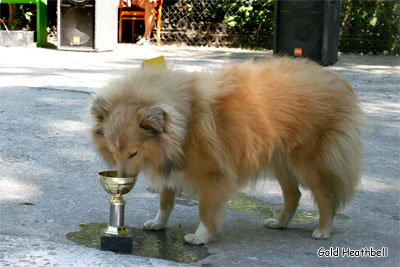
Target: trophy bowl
113 184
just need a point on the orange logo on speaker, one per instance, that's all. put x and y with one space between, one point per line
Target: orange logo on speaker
298 51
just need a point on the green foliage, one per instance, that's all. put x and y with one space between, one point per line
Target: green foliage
366 25
24 17
252 18
239 23
370 26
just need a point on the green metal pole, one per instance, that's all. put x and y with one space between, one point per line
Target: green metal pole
41 22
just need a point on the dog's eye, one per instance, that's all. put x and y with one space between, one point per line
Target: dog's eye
132 155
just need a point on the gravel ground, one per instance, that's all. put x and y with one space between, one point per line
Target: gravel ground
46 159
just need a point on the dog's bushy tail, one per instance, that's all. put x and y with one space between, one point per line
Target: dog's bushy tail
344 160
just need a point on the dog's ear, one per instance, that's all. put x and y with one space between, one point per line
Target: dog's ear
153 120
100 108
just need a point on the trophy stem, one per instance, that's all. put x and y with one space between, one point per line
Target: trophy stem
117 214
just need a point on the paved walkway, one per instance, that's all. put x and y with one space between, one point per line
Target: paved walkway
46 159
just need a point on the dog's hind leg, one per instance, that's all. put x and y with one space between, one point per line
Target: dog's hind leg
167 199
325 198
291 196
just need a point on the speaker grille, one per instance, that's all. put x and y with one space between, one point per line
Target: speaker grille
307 28
302 5
79 2
77 26
303 33
87 25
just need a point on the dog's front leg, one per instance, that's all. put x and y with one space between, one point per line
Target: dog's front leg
167 199
211 202
200 237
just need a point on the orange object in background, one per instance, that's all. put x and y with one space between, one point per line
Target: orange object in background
126 12
298 51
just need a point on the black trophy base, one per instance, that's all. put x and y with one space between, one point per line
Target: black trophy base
117 243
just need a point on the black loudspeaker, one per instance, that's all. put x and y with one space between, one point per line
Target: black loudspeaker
87 25
307 28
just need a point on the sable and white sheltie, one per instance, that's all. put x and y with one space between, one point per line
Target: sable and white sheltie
215 132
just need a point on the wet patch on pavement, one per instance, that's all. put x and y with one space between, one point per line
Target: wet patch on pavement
167 244
265 210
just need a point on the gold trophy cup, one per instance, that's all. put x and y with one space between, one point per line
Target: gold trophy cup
116 236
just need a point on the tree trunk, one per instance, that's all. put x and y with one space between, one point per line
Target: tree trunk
12 8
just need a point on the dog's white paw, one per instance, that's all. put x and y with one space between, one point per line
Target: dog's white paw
160 221
154 225
200 237
321 234
274 224
196 239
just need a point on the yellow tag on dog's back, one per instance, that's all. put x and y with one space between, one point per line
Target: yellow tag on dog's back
157 62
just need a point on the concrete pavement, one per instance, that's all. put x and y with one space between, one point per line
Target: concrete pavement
46 159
